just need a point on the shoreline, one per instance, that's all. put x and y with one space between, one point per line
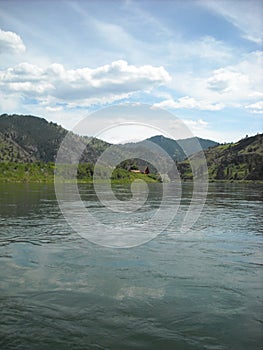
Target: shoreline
124 181
39 172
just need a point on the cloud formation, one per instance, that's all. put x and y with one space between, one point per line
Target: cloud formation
188 57
234 86
85 85
240 82
189 103
256 108
226 80
10 42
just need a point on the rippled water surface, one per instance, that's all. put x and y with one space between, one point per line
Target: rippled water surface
198 290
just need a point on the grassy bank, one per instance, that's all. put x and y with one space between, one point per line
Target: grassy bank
44 172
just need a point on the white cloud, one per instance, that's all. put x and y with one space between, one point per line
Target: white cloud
227 80
245 15
23 72
256 94
196 124
11 42
29 88
256 108
189 103
53 109
231 86
82 86
238 83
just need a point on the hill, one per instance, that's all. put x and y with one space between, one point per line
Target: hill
242 160
26 138
29 145
10 151
189 145
178 149
29 138
32 140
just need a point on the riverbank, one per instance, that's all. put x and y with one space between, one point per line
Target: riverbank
39 172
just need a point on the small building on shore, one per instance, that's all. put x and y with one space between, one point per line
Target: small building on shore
141 170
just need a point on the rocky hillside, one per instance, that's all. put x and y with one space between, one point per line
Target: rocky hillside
242 160
29 139
10 151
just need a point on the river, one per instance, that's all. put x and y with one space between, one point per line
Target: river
196 290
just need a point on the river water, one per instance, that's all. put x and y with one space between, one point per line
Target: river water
197 290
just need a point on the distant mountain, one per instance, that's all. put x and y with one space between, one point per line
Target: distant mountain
180 149
242 160
29 138
170 146
153 152
189 145
26 138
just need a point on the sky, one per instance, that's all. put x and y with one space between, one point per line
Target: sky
200 61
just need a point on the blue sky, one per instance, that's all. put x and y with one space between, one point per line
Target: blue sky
199 60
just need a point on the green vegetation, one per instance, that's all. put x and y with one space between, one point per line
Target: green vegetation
121 176
12 152
29 139
240 161
44 172
178 150
35 136
29 145
26 172
189 145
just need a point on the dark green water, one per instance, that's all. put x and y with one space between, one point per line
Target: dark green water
199 290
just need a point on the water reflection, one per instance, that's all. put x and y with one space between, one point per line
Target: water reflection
200 290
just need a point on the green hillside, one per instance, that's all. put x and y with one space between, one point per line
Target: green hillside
28 149
242 160
189 145
37 137
156 148
170 146
28 138
179 149
29 145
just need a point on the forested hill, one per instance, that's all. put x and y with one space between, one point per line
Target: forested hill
178 149
242 160
28 139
